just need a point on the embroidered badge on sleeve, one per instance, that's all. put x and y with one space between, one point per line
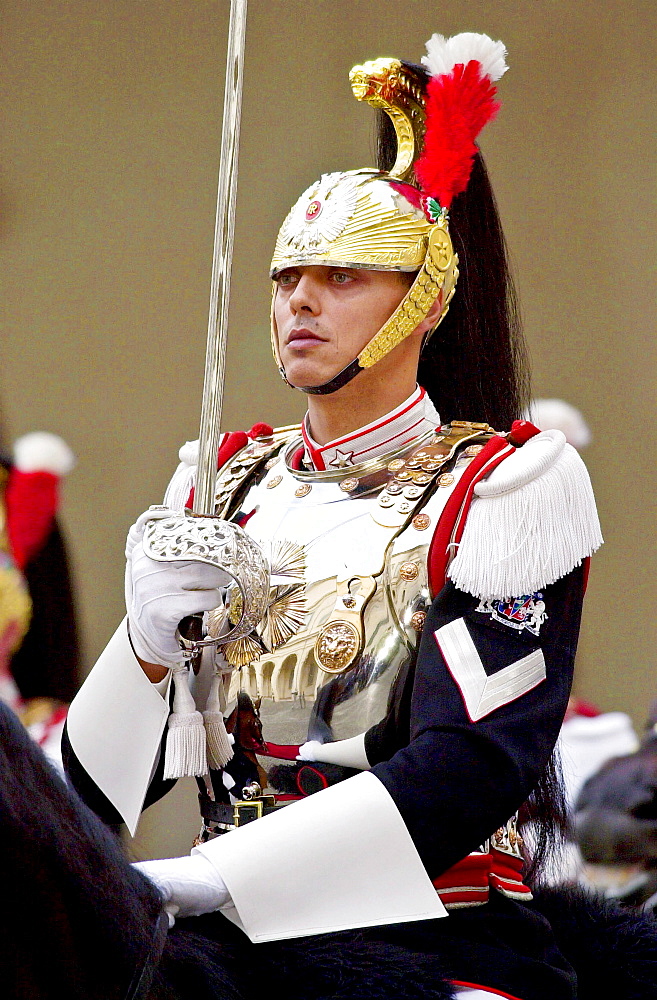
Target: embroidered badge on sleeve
483 693
526 612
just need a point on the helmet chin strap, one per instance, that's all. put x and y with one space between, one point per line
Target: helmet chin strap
333 384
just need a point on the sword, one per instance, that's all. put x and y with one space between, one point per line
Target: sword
222 263
200 535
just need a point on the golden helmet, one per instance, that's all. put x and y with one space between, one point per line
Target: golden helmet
398 221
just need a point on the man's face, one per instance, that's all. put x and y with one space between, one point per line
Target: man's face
326 315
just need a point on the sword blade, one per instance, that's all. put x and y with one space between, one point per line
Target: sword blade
222 259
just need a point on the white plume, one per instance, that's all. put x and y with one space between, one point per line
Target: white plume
43 452
547 414
443 54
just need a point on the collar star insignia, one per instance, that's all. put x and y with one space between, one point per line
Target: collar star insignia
342 459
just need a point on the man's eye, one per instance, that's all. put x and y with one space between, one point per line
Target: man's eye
341 277
286 279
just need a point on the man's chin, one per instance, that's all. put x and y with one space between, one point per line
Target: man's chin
301 376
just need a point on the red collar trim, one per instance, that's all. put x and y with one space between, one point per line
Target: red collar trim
315 453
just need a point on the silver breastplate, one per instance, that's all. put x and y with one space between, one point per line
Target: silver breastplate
349 590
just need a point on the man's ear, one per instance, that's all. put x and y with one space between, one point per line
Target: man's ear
432 317
436 309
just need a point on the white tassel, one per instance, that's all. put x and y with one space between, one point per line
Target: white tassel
531 523
219 747
185 749
443 54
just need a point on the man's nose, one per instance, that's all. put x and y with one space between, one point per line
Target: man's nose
305 294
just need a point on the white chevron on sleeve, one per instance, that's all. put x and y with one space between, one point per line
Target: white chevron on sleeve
483 694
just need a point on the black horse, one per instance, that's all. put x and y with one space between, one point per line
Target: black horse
78 919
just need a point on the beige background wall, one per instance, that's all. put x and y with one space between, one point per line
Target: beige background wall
108 165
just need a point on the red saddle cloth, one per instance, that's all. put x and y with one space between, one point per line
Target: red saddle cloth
468 883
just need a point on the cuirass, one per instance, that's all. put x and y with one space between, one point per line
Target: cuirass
347 551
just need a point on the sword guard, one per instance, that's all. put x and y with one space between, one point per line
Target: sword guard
208 539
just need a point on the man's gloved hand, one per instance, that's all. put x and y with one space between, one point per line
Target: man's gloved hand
309 750
347 753
160 594
189 886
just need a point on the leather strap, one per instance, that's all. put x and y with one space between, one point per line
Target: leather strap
237 814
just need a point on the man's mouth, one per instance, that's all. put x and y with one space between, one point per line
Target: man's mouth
302 337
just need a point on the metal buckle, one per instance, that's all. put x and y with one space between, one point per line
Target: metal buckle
245 811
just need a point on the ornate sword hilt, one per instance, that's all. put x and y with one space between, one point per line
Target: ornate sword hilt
189 537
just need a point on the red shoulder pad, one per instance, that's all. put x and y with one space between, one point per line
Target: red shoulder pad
232 442
521 431
261 431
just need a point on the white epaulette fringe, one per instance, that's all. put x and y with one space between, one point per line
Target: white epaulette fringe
530 523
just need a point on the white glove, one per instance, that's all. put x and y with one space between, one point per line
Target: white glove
189 886
348 753
160 594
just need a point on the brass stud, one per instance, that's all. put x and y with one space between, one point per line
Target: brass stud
422 479
303 491
394 487
421 522
431 465
438 438
446 479
413 492
418 620
473 449
404 475
409 571
396 465
414 463
405 507
348 485
385 500
274 482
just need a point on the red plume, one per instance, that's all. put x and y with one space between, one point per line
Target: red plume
459 104
31 493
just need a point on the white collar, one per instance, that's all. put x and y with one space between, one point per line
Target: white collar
400 426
